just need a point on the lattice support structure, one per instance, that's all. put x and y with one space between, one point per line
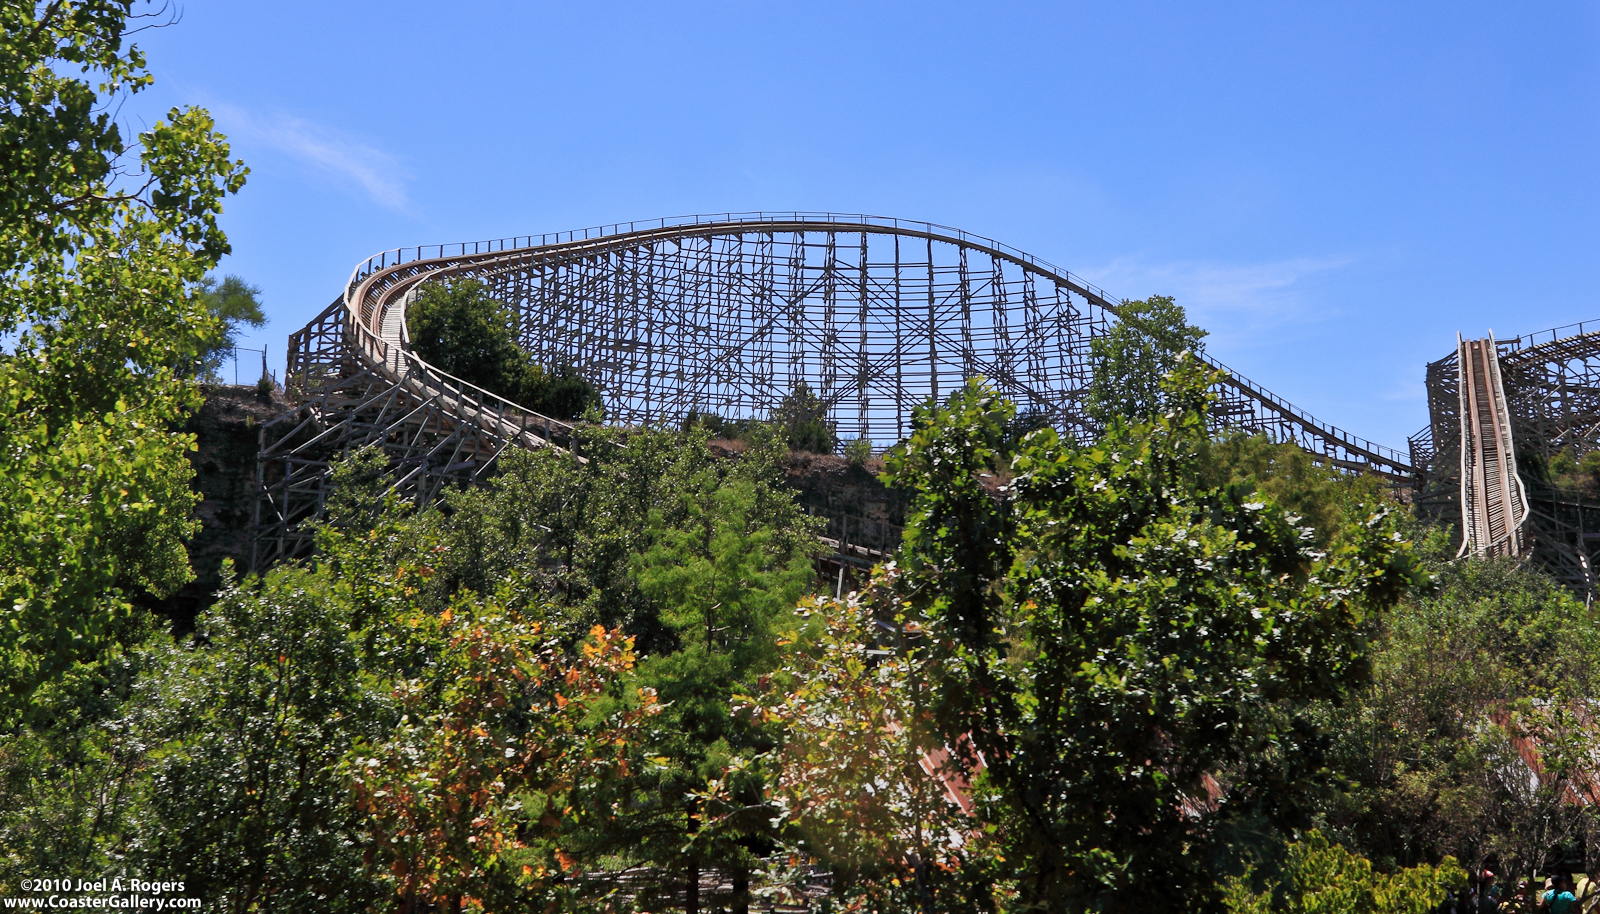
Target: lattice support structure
717 314
435 431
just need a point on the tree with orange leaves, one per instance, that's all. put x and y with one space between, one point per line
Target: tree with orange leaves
468 798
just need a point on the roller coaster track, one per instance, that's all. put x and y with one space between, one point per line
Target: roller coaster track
1493 507
719 314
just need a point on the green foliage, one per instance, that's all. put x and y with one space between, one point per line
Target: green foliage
1574 474
716 575
857 731
800 420
1018 426
1132 357
98 260
461 329
702 558
71 786
1494 670
1323 878
1317 496
579 530
723 591
331 740
231 302
858 451
803 419
469 795
245 730
1134 654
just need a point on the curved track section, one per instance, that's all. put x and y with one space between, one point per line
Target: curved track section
717 314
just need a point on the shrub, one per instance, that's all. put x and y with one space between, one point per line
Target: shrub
803 416
859 451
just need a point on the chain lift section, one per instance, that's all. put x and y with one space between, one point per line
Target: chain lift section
1493 507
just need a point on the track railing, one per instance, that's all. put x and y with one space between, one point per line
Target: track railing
1356 445
366 310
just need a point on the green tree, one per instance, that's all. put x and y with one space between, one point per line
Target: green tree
1133 356
701 558
100 254
458 327
1319 877
577 529
860 772
72 785
724 592
469 798
243 731
332 739
803 419
231 303
1321 497
1134 655
1474 736
1569 472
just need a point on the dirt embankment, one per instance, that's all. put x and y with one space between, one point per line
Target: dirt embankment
830 484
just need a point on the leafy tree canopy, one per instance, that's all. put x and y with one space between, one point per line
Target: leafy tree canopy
101 252
460 328
1133 654
1476 729
1319 876
1316 495
231 302
803 417
1133 356
702 558
800 420
333 739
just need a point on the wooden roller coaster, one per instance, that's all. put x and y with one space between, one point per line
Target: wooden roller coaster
710 314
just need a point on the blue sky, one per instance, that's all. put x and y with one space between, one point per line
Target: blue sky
1333 190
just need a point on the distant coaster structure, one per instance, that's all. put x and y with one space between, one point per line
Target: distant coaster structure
722 314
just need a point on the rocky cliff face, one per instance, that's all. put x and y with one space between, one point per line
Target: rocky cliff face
829 484
227 430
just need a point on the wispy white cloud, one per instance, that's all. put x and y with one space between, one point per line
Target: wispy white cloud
378 175
1236 302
